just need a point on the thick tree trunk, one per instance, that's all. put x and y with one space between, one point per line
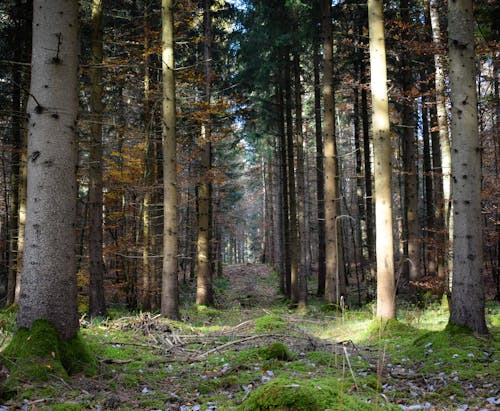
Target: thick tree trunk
97 305
48 281
386 290
169 283
467 295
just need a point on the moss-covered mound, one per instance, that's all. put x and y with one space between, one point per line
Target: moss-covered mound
269 323
38 353
277 351
300 395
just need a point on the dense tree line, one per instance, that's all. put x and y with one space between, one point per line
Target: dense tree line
350 145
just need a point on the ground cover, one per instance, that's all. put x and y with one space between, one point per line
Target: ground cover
252 353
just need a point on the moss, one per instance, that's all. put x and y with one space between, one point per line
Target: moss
277 351
322 358
282 395
38 353
269 323
302 395
387 328
67 406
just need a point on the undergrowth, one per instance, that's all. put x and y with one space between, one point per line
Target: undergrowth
250 359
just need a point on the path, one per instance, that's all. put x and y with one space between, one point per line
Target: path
252 285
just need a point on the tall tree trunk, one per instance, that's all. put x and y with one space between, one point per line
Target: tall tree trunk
467 294
292 205
149 166
332 292
285 244
204 284
305 256
443 214
367 163
169 288
386 289
48 280
97 305
430 258
410 152
320 179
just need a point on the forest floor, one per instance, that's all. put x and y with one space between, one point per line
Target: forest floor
226 358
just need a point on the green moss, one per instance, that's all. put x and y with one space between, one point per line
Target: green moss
322 358
277 351
67 406
302 395
282 395
387 328
269 323
38 353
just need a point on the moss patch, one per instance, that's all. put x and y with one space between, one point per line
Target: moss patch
302 395
277 351
269 323
38 353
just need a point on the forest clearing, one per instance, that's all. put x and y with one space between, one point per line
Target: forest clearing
251 352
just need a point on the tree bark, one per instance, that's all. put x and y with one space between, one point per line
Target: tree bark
48 280
204 293
292 203
320 179
386 289
467 294
305 256
332 291
169 288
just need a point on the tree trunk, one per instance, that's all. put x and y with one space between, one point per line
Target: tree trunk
48 280
292 204
149 165
204 284
332 272
97 305
305 257
320 178
443 188
169 283
386 290
467 295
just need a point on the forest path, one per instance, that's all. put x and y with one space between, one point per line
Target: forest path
251 286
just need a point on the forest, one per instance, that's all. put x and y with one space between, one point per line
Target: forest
249 205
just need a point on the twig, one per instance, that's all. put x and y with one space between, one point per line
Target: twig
346 354
221 347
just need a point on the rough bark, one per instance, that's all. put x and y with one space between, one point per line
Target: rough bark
332 292
169 283
386 290
467 294
48 280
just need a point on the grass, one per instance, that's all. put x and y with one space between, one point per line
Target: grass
413 361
